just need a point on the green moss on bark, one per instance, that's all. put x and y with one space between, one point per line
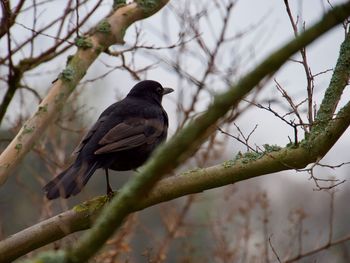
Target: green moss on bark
333 93
83 42
104 27
67 74
118 3
91 205
147 6
58 256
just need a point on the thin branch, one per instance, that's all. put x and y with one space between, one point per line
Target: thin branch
304 62
273 250
319 249
44 34
333 166
238 139
77 17
292 105
19 47
282 118
212 55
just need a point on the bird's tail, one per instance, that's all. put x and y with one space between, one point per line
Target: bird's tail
71 181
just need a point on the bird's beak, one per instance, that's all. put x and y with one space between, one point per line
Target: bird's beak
167 91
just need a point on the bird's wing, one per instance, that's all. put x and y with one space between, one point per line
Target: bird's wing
89 134
130 134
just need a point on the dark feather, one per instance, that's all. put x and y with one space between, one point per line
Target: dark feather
124 144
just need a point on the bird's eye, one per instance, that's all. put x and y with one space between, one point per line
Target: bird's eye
160 90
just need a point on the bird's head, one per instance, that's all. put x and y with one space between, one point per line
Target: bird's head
149 89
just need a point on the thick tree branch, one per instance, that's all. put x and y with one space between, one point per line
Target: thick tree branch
109 31
339 80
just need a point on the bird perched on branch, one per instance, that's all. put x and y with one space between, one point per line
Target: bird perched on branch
122 139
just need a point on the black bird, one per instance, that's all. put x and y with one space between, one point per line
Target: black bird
122 139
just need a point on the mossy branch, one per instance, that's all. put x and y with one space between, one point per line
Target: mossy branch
335 89
89 48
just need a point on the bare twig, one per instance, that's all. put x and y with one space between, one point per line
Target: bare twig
245 142
273 249
319 249
77 17
290 123
309 76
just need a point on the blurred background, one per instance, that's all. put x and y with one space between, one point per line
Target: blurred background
199 48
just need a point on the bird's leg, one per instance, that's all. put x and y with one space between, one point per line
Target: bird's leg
109 188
